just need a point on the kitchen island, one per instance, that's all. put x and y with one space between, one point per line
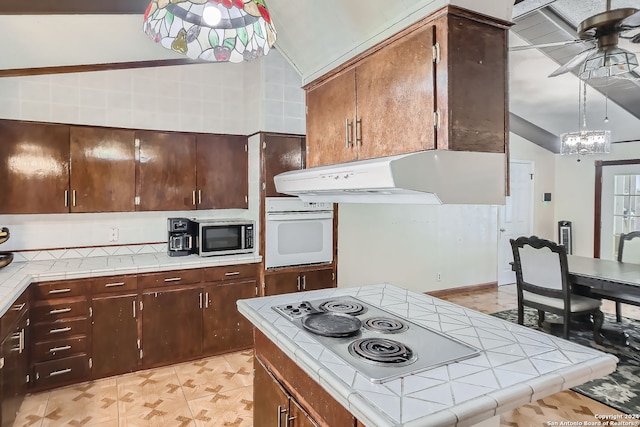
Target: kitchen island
513 366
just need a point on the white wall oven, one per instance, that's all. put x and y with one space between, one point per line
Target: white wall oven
297 232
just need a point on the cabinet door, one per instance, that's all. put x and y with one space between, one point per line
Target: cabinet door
270 402
317 279
225 329
171 326
34 167
395 93
298 417
166 172
14 372
114 339
222 168
330 121
102 170
281 283
281 154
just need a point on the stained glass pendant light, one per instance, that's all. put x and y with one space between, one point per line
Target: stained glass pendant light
212 30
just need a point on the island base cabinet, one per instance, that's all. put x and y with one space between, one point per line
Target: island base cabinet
308 395
115 347
272 405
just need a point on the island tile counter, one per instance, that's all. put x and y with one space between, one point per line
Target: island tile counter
516 365
16 277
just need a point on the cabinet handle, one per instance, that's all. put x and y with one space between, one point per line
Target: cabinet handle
298 280
59 330
73 198
61 348
304 282
111 285
173 279
60 310
193 197
206 300
232 273
134 309
359 133
66 198
18 307
59 291
199 197
280 412
348 131
200 296
60 372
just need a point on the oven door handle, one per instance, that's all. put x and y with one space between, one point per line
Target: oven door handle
299 216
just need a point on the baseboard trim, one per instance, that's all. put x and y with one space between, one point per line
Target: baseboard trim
462 289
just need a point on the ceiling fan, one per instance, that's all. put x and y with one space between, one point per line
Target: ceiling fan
605 59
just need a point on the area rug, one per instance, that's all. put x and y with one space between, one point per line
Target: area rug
620 389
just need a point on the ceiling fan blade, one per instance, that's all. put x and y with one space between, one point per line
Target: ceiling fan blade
543 45
631 21
572 63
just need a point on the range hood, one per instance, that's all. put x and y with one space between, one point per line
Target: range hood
424 177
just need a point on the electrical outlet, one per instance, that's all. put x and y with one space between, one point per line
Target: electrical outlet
113 234
438 277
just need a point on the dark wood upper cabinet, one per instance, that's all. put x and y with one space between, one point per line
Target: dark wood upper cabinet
166 171
34 167
281 153
102 170
222 172
72 7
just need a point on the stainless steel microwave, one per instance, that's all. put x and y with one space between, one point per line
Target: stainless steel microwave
224 237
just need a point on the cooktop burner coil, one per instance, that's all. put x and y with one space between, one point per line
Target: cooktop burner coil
343 306
382 351
385 325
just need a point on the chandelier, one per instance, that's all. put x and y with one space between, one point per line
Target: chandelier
584 141
211 30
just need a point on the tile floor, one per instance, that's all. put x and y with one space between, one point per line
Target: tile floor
217 391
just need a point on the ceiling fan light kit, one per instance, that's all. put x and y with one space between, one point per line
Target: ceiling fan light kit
608 63
212 30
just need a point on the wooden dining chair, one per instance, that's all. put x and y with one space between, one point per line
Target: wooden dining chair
628 251
542 279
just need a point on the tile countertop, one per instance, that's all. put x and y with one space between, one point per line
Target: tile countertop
17 276
517 365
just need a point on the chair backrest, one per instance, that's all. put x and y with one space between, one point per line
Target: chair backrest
540 266
629 247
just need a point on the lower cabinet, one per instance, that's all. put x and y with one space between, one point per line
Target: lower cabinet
272 405
288 281
14 361
171 326
225 329
115 348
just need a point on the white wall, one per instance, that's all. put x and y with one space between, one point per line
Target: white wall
210 98
575 189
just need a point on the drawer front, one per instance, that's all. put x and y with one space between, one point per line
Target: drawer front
60 329
55 309
170 278
103 285
59 349
17 309
69 369
62 289
230 272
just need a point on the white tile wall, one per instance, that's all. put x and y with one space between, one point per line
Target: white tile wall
211 98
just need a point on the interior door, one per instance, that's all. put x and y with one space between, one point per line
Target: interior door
515 217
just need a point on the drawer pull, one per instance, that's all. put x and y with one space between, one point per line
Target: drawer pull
60 310
173 279
59 330
60 291
233 273
61 348
112 285
60 372
18 307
